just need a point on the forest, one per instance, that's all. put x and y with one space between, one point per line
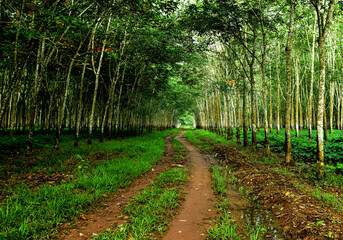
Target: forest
111 98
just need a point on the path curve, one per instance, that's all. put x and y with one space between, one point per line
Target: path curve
198 211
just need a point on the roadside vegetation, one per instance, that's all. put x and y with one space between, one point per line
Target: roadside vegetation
225 228
35 211
274 184
151 210
180 152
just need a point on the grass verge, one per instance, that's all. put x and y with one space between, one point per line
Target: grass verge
35 214
180 151
204 140
150 210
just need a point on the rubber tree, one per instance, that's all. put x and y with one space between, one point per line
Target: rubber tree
288 83
96 70
324 13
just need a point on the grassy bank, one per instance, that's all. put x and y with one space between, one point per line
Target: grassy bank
35 213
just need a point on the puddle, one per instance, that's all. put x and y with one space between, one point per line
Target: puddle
247 213
260 218
243 213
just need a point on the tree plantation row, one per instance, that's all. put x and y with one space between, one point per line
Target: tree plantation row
85 64
273 65
124 67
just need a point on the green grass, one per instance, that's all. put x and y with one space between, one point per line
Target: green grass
150 210
35 214
224 229
180 150
204 140
219 181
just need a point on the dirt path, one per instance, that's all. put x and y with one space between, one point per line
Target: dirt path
198 211
110 213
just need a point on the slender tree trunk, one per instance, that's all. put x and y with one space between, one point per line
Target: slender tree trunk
245 109
238 127
264 91
270 101
97 77
296 97
320 109
325 126
310 108
37 82
338 123
288 86
278 90
14 109
64 100
332 92
323 31
301 116
253 94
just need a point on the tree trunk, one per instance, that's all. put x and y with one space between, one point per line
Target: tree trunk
270 101
238 127
36 88
253 100
332 92
310 108
64 100
323 27
278 90
296 97
264 91
320 109
288 86
97 77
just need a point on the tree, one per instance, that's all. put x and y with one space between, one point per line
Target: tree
288 82
324 19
